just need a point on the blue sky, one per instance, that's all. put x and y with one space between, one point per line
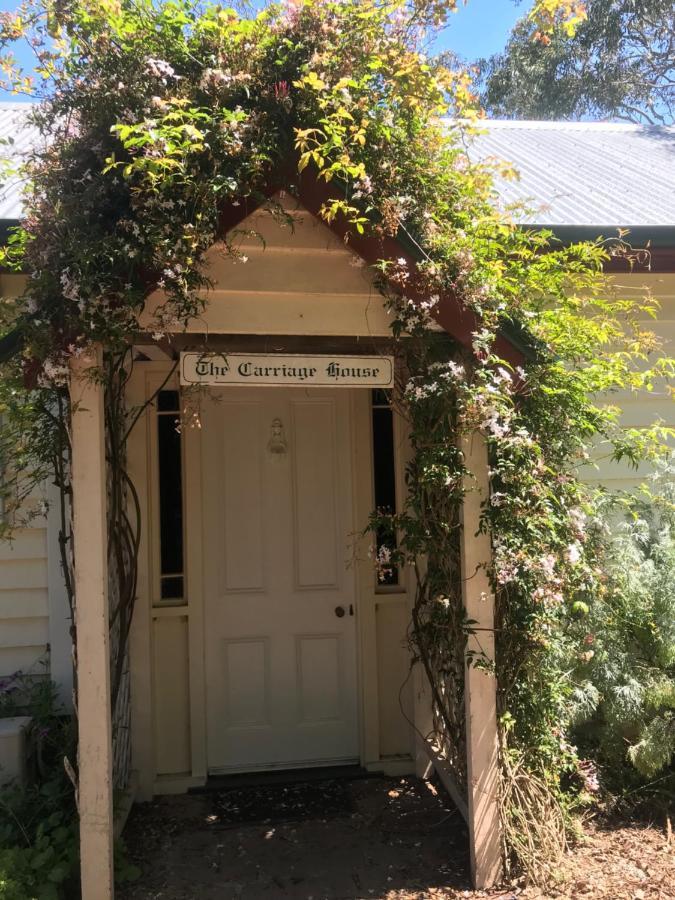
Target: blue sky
478 28
481 27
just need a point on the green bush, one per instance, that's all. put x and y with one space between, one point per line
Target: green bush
38 822
45 865
39 829
625 699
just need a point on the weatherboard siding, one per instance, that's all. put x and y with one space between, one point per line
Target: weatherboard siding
34 621
293 279
24 601
639 411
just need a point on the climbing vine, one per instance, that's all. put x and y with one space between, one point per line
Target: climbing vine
157 119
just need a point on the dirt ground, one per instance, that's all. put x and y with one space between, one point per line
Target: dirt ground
364 839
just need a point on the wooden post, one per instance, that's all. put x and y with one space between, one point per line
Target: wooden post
95 799
480 687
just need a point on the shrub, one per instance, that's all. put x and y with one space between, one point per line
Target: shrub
626 693
38 823
39 829
44 868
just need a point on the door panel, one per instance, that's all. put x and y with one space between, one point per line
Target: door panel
280 664
320 682
314 489
242 476
246 679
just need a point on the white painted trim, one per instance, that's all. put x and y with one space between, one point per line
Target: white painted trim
480 691
366 634
285 766
165 785
421 699
370 597
392 766
193 564
88 477
154 352
140 638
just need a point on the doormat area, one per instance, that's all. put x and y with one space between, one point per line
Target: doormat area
339 839
274 804
403 841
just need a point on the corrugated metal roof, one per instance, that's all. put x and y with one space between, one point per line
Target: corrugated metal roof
17 136
578 174
584 174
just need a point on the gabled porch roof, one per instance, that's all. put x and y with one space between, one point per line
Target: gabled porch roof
513 344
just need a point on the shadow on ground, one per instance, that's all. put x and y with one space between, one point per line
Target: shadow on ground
377 838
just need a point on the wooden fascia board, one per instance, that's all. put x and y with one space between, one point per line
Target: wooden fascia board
450 313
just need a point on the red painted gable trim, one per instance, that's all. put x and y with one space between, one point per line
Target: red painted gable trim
657 260
451 314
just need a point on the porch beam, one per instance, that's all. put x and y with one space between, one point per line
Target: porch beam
95 796
480 684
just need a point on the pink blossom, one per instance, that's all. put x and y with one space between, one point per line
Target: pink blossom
573 553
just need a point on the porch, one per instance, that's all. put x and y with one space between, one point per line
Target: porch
327 839
380 839
261 639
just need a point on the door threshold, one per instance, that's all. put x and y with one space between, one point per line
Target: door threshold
280 777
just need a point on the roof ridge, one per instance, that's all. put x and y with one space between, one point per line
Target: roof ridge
17 104
563 125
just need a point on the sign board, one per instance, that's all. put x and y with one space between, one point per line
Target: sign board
280 369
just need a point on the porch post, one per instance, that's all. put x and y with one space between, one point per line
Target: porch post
480 685
95 803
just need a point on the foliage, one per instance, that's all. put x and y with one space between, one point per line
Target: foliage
38 822
162 115
618 62
39 834
547 16
42 870
51 734
626 692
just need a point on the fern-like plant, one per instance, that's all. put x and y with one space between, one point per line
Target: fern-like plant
625 695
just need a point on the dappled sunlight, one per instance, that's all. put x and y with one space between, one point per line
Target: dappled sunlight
374 837
365 837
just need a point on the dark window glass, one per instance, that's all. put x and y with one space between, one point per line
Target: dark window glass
172 587
170 496
380 398
167 401
384 476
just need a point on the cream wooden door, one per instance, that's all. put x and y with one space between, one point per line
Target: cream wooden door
280 663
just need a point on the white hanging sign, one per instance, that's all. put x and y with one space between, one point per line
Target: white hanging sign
279 369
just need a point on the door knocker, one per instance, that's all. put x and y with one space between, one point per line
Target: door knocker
277 445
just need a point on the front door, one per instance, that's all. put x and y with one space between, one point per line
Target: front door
279 591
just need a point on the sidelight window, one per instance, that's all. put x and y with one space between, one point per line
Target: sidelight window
170 463
384 480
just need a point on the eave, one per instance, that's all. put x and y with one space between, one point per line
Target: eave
513 343
450 313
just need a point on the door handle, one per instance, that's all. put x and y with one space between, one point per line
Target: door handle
340 610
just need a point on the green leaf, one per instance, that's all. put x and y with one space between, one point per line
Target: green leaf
59 873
